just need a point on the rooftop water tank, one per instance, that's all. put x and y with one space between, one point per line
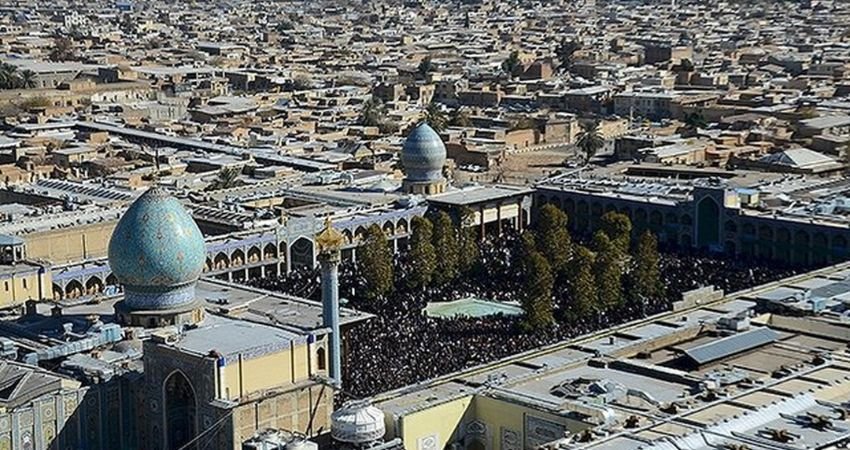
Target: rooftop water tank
357 423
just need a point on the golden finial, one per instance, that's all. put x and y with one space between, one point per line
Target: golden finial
329 239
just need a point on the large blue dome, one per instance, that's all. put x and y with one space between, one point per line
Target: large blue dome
157 252
423 154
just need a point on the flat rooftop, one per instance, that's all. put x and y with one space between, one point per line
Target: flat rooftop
478 194
705 376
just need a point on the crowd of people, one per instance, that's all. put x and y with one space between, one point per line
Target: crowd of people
402 346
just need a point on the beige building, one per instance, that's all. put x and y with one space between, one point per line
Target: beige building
228 379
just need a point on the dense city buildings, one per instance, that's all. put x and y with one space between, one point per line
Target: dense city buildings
479 225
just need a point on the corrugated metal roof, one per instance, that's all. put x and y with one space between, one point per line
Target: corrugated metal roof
731 345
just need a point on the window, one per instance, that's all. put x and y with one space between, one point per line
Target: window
320 356
6 283
25 283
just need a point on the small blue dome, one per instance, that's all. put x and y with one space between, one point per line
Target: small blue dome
423 154
157 252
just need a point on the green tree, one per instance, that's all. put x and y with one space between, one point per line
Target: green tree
553 237
446 246
302 82
693 122
565 53
608 271
27 79
618 227
537 291
511 65
423 257
63 50
372 114
8 76
425 67
436 117
226 178
582 283
470 253
590 139
646 274
460 118
375 263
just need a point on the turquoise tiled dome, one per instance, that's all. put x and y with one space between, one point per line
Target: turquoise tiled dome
157 252
423 154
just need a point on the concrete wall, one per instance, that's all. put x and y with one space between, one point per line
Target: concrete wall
16 288
72 244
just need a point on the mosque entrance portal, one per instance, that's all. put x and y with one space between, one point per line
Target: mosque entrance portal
180 411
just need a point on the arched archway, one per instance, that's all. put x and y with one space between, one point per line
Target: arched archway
582 219
321 360
349 238
58 292
820 248
270 251
783 244
401 226
254 254
656 220
237 258
359 233
221 261
708 222
765 242
389 228
839 246
73 289
570 207
180 410
111 280
302 253
94 286
801 247
641 220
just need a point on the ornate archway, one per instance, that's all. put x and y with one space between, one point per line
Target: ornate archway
708 222
180 411
302 253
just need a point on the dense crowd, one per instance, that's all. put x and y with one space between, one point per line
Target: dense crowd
401 345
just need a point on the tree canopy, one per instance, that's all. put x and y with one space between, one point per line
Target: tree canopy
608 271
436 117
565 53
511 65
618 227
423 257
375 261
469 254
582 283
646 275
553 237
425 67
446 246
537 292
590 140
